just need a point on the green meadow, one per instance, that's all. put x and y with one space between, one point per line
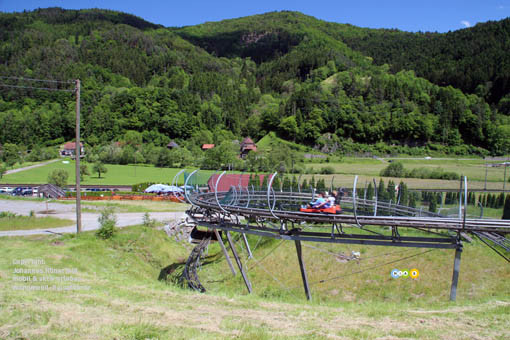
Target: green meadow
344 173
116 174
27 222
128 287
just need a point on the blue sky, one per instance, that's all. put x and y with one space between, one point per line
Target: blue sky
431 15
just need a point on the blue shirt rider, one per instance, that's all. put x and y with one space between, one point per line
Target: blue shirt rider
320 202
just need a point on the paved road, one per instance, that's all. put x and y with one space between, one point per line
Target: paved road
8 172
66 211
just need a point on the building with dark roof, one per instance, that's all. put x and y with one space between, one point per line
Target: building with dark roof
247 145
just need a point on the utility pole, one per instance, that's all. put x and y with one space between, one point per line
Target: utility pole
504 178
77 158
485 186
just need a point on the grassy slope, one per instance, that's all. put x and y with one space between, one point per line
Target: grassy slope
25 222
127 301
272 139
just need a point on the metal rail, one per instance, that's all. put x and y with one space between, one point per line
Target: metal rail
256 207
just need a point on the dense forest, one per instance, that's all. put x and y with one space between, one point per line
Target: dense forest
334 87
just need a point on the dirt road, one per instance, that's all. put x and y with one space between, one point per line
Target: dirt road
66 211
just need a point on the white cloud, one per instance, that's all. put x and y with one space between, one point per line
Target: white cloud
465 23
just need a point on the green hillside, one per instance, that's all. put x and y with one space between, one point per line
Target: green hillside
307 80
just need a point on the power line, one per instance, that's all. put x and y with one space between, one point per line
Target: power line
269 253
336 255
369 268
36 88
40 80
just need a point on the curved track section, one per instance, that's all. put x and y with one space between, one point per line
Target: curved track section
284 206
276 214
193 263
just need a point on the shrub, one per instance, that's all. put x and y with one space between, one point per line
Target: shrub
395 169
58 177
7 214
107 221
327 170
148 221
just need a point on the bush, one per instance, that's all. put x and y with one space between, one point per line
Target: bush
107 221
7 214
327 170
395 169
148 221
58 177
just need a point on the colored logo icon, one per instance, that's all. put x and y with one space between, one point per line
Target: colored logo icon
413 273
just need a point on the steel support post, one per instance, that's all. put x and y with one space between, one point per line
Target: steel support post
224 249
456 269
247 245
303 269
238 260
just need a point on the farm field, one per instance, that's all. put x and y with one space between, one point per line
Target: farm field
116 174
127 290
365 168
474 169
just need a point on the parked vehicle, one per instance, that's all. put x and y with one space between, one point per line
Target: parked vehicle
22 191
6 190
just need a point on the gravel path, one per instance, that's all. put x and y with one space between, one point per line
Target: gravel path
66 211
8 172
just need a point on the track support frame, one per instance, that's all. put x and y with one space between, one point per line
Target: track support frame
299 252
456 270
224 249
238 261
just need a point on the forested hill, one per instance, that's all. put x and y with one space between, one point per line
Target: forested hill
310 81
475 59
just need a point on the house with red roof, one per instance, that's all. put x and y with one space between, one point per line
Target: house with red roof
207 146
69 148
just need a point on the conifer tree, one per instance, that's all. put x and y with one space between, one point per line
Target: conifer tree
432 203
286 183
293 183
412 199
403 193
370 191
304 185
391 191
506 209
501 200
381 191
